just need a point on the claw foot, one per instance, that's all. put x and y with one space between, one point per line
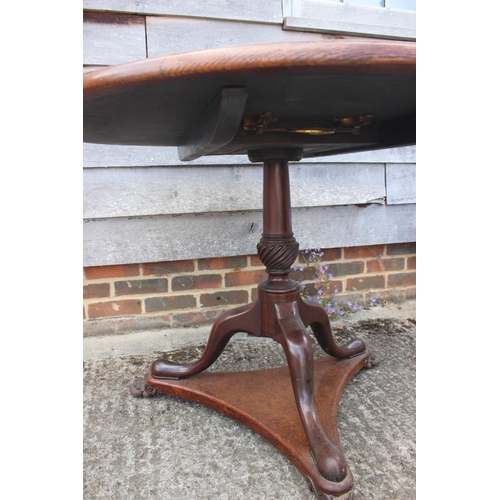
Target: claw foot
141 389
321 495
373 360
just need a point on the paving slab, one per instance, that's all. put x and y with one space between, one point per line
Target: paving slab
167 448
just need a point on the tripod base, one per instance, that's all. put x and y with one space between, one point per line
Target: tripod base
264 401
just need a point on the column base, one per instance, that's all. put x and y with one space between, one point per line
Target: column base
263 400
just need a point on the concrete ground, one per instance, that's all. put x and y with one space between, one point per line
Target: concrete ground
167 448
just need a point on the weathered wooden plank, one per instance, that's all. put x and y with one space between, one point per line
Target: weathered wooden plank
168 35
326 26
401 183
110 38
265 11
103 155
132 192
190 236
340 18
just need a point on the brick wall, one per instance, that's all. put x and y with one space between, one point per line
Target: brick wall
122 298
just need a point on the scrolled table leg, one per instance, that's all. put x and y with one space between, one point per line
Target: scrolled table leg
241 319
293 337
315 316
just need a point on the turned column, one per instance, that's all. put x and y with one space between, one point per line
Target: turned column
277 248
280 317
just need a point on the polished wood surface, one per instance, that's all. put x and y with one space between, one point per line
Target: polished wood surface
281 314
157 101
277 103
263 400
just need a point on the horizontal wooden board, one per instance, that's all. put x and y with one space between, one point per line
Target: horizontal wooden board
103 155
356 14
110 38
169 237
168 35
125 192
265 11
358 20
401 183
329 27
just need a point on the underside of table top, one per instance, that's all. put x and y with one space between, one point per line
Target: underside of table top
323 97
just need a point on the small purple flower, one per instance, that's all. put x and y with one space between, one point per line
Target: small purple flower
320 292
330 277
302 287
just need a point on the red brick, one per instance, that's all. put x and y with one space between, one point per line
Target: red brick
96 291
364 252
254 294
156 304
312 288
345 268
202 281
114 308
307 274
224 298
365 283
381 265
401 279
411 293
331 254
242 278
172 267
132 287
222 263
401 248
194 318
119 271
411 263
255 261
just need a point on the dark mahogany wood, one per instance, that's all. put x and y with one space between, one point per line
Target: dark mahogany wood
291 101
280 313
157 101
264 401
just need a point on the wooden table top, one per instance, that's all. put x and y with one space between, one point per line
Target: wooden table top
324 97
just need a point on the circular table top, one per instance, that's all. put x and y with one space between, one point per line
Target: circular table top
323 97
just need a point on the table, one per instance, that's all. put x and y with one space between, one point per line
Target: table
275 103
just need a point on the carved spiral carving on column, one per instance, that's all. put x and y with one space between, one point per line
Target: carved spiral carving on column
278 256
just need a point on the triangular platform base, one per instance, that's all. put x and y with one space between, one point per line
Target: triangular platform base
263 401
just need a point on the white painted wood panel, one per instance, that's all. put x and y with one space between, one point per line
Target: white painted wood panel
163 238
113 38
401 183
104 155
265 11
168 35
130 192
